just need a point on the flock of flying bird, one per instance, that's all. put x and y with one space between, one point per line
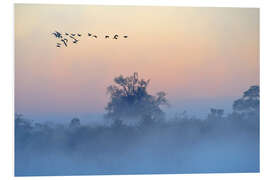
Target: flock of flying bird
74 37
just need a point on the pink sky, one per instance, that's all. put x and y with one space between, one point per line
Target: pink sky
190 53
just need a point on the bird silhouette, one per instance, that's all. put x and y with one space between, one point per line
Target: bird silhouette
115 36
57 34
72 37
74 40
64 41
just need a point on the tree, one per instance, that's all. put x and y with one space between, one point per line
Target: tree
215 114
247 109
250 101
75 123
129 100
21 123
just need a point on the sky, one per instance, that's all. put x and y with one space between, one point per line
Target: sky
201 57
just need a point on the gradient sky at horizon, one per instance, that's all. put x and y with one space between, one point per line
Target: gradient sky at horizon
195 55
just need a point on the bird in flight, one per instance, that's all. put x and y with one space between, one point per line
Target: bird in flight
64 41
75 37
71 37
57 34
75 41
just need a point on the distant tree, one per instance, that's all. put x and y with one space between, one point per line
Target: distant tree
21 123
250 101
23 130
75 123
183 116
129 100
247 109
215 114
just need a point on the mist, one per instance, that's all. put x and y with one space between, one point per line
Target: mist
76 114
177 145
136 136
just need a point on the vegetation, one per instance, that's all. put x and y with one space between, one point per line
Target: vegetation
129 100
138 139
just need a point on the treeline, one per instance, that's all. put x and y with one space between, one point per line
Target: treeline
136 137
181 145
245 115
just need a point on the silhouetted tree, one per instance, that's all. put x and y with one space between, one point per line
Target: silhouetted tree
215 114
75 123
129 100
250 101
247 109
21 123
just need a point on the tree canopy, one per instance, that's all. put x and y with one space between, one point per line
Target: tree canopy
249 102
129 100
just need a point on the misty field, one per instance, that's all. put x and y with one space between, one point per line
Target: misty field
136 137
187 146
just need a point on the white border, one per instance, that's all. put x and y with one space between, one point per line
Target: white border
194 3
7 83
